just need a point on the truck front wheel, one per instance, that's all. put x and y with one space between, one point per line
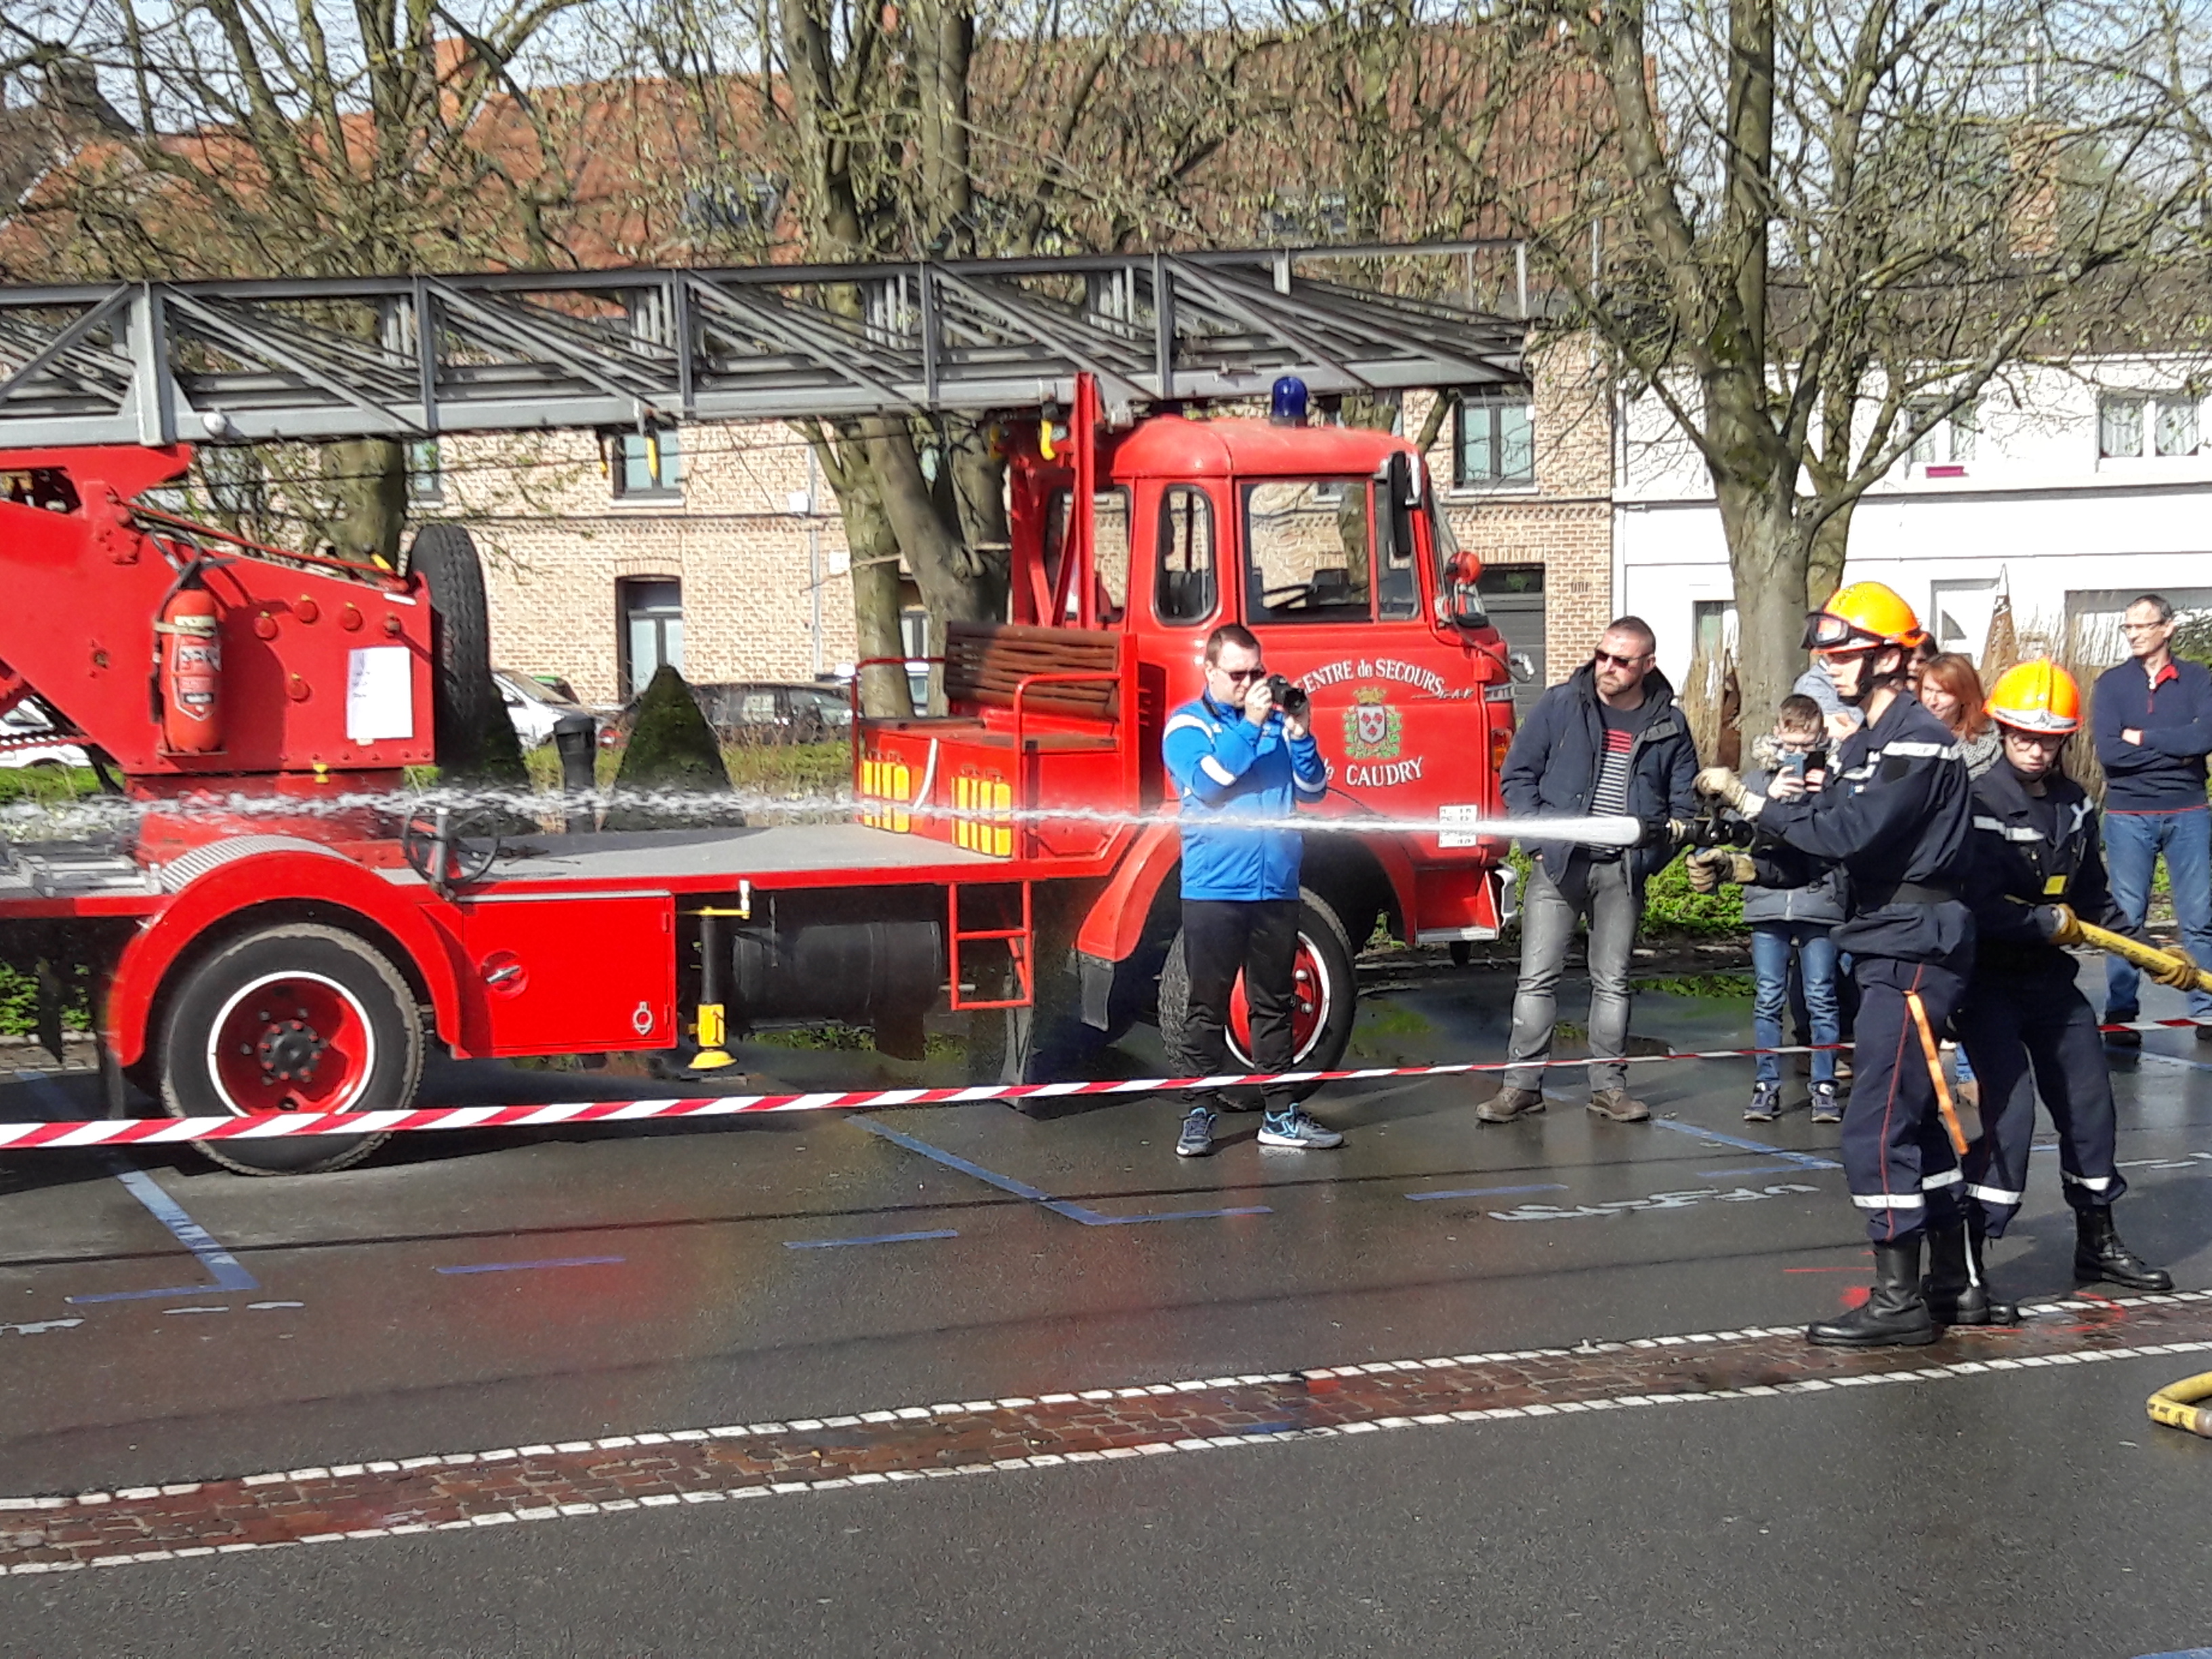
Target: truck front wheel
1323 987
292 1018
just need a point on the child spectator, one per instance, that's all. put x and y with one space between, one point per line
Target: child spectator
1789 923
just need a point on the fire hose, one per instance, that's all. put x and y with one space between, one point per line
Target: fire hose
2147 956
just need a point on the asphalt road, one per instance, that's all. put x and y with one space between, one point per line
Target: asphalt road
162 1322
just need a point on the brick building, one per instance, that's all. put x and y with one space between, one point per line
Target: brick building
718 549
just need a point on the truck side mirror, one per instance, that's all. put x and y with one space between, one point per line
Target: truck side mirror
1462 597
1521 666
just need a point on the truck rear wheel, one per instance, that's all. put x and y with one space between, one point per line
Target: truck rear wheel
1325 989
291 1018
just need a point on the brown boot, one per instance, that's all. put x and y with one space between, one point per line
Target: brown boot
1509 1103
1619 1105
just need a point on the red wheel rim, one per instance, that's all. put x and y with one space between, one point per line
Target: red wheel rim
291 1043
1311 998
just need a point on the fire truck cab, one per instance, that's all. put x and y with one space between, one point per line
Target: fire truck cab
1129 549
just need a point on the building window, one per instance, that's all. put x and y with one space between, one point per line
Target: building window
1496 444
647 467
652 628
1950 440
2166 421
1183 589
426 479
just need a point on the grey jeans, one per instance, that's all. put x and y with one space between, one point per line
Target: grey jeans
1607 894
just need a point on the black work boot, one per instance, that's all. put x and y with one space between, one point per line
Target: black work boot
2101 1253
1957 1287
1893 1317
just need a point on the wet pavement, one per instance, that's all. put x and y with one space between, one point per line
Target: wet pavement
545 1371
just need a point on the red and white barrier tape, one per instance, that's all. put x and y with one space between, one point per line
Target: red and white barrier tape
263 1126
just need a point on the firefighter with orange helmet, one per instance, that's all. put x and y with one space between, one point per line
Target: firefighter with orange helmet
1895 813
2037 864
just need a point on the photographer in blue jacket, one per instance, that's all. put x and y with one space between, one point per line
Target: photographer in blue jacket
1240 765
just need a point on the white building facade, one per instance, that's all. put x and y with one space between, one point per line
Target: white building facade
2069 491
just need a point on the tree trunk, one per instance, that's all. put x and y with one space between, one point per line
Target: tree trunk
1824 570
369 497
885 692
1766 560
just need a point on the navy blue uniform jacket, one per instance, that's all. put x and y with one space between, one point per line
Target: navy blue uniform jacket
1898 807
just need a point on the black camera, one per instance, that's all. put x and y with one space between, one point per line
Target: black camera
1291 699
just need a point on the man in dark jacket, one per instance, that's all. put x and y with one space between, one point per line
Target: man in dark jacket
2153 719
1610 741
2028 1031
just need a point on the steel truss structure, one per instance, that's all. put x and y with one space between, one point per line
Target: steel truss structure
413 356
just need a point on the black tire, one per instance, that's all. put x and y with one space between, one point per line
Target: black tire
470 714
378 1034
1329 949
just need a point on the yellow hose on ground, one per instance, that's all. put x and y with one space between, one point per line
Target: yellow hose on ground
2175 1405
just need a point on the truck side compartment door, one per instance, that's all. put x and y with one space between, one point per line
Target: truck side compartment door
588 974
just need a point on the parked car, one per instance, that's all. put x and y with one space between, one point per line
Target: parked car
759 711
32 740
535 705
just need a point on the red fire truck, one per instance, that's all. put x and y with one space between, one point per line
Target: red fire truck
1014 858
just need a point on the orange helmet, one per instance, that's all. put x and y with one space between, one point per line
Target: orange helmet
1863 616
2037 697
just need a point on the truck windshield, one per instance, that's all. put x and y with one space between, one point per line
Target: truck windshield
1309 550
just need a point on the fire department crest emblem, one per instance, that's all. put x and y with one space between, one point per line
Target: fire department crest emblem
1371 726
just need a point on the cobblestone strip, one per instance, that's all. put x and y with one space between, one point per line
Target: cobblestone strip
623 1473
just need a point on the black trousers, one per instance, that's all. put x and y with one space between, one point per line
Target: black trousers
2028 1034
1221 938
1897 1154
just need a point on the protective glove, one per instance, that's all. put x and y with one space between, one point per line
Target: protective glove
2058 924
1721 783
1709 866
2181 972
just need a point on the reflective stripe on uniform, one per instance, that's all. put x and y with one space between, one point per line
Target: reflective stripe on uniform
1214 769
1997 828
1941 1178
1887 1201
1188 723
2094 1183
1994 1195
1918 751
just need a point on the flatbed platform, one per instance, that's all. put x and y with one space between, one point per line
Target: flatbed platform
774 854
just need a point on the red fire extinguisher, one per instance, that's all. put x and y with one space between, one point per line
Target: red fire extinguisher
190 670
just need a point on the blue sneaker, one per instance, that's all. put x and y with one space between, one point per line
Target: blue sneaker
1765 1103
1295 1129
1196 1139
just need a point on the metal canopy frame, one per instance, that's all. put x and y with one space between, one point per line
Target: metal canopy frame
412 356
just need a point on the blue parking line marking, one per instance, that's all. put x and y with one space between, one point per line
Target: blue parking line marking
227 1271
2164 1060
872 1238
1073 1212
1751 1170
525 1266
1802 1160
1489 1192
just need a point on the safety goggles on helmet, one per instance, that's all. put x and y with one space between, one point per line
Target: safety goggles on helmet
1827 632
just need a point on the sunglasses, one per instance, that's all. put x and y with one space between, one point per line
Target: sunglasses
1241 675
1602 658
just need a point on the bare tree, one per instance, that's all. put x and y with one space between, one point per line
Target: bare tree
1812 233
237 137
